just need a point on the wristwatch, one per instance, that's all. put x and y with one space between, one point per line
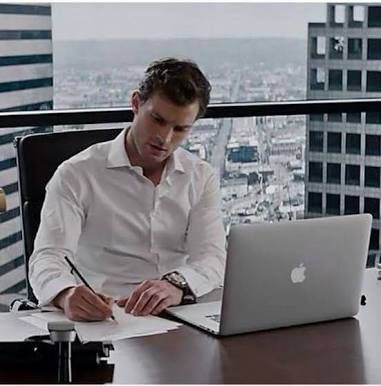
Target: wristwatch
179 281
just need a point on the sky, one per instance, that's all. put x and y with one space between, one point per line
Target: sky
92 21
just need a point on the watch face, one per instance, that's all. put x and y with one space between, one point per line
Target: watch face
177 279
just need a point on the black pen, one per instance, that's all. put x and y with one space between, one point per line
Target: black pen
74 268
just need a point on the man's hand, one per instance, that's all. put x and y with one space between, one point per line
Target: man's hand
151 297
81 304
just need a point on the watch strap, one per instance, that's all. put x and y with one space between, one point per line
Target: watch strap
188 296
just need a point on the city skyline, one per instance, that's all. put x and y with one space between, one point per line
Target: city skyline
96 21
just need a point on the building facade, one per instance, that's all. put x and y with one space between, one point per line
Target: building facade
26 83
343 151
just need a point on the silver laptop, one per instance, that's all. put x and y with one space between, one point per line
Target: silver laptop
285 274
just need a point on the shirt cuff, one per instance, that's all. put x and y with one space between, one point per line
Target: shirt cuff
198 283
53 288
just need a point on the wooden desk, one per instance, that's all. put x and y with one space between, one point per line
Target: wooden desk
344 351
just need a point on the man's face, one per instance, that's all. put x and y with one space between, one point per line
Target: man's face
160 126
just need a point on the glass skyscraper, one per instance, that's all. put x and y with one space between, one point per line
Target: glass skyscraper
343 151
26 83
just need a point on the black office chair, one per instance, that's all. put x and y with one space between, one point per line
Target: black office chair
38 156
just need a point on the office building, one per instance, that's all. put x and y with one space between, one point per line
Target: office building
343 151
26 83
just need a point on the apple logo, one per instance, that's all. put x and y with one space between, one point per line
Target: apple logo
298 274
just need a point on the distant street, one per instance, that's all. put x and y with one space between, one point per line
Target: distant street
219 151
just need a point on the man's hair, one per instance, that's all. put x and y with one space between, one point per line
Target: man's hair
181 81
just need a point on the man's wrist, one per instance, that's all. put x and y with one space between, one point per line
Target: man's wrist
177 280
59 300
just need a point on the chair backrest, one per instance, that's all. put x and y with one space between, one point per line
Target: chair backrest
38 156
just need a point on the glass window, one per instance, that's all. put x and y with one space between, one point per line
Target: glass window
372 145
374 49
334 142
239 71
317 78
373 117
336 14
333 204
374 16
334 117
354 80
373 81
356 16
352 205
372 206
352 174
336 47
316 171
316 141
372 176
374 242
314 202
354 48
333 173
317 117
317 47
353 143
23 9
335 80
354 117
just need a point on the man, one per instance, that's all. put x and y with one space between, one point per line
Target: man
139 216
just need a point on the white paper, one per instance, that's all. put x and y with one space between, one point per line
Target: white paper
37 322
125 326
14 329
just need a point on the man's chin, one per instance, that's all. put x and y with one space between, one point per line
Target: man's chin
157 158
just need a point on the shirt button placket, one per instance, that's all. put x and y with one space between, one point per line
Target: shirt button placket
152 219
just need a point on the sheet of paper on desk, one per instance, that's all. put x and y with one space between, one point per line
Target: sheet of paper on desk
127 326
14 329
42 323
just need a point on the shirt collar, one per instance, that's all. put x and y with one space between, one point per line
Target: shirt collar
117 156
174 163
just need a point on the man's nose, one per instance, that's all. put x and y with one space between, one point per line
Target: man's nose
165 134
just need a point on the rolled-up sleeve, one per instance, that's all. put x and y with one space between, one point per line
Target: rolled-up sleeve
206 240
62 219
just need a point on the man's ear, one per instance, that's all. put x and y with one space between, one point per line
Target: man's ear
135 101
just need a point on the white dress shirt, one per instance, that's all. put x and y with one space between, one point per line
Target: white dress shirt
120 229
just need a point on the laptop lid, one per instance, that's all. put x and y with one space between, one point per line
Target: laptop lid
283 274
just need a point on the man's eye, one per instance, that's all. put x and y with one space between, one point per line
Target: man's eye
158 119
181 129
